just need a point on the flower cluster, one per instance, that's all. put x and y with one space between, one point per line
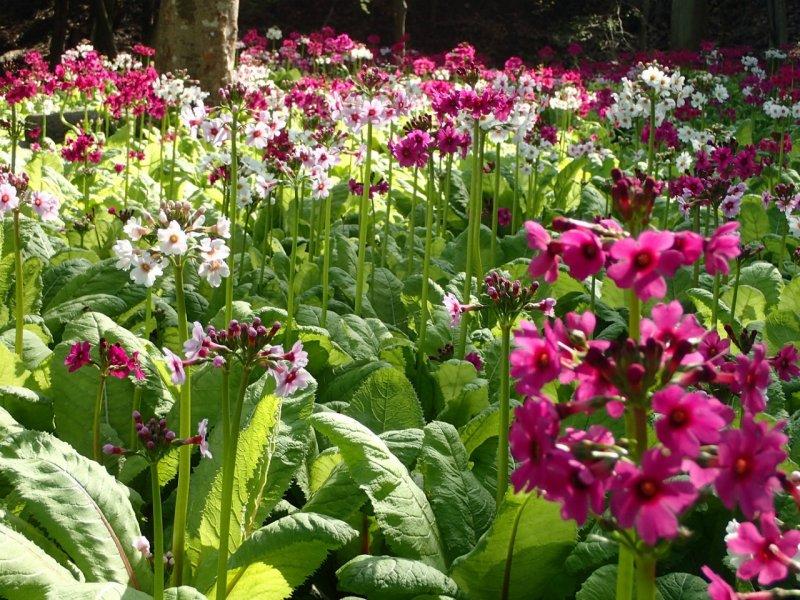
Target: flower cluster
112 359
156 439
15 193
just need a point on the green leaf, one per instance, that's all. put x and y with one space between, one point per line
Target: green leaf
401 508
260 415
754 219
26 571
282 555
85 510
528 531
463 393
391 578
781 327
463 508
386 291
750 304
790 299
601 585
106 590
681 586
766 278
386 400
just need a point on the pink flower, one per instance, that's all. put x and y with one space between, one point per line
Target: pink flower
785 363
290 380
535 360
503 216
689 420
454 308
202 441
175 366
648 498
643 263
546 263
751 379
689 246
763 553
747 460
713 348
45 205
120 365
670 326
475 359
8 198
722 247
78 356
531 439
583 253
718 589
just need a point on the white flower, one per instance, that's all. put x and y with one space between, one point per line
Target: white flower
175 366
124 252
141 544
146 270
273 33
8 198
45 205
683 162
213 271
172 240
222 227
257 134
655 78
214 249
134 229
321 186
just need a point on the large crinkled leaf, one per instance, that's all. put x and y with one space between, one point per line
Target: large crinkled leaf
344 381
600 585
260 415
528 531
117 591
100 278
391 578
750 304
401 508
781 327
463 507
764 277
81 507
282 555
681 586
463 393
74 393
481 427
385 401
26 570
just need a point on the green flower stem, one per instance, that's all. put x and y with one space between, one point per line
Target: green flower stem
625 573
386 225
326 262
137 391
245 245
184 431
736 287
412 225
715 303
651 136
476 243
161 156
448 172
98 408
363 217
172 191
131 127
292 264
505 413
495 204
426 265
19 285
13 135
229 468
515 201
233 191
267 246
645 577
461 348
158 534
537 198
696 272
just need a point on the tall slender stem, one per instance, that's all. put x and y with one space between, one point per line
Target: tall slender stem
448 176
131 127
645 576
171 193
495 204
184 452
389 178
326 262
736 288
651 137
137 392
233 192
13 135
19 288
625 573
292 263
426 266
98 407
515 201
229 468
363 216
715 303
505 413
412 224
158 534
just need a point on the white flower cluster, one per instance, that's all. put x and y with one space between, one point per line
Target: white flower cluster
596 155
43 203
632 102
566 98
360 53
775 110
152 243
274 34
355 110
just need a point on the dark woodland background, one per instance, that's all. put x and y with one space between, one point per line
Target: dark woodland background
498 28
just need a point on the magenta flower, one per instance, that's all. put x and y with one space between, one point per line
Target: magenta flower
722 247
747 460
763 553
531 439
643 263
475 359
503 216
582 253
120 365
689 245
290 379
718 589
546 262
535 361
713 348
751 379
648 498
454 308
79 356
689 420
785 363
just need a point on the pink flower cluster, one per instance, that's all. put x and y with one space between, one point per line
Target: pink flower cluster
112 359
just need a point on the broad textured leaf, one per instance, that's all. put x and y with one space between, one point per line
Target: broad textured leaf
401 508
391 578
754 220
681 586
750 304
282 555
766 278
463 508
530 531
385 401
790 299
463 393
781 327
601 585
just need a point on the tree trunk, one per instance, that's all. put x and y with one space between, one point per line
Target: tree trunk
59 36
399 11
687 24
198 36
103 35
644 29
778 25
